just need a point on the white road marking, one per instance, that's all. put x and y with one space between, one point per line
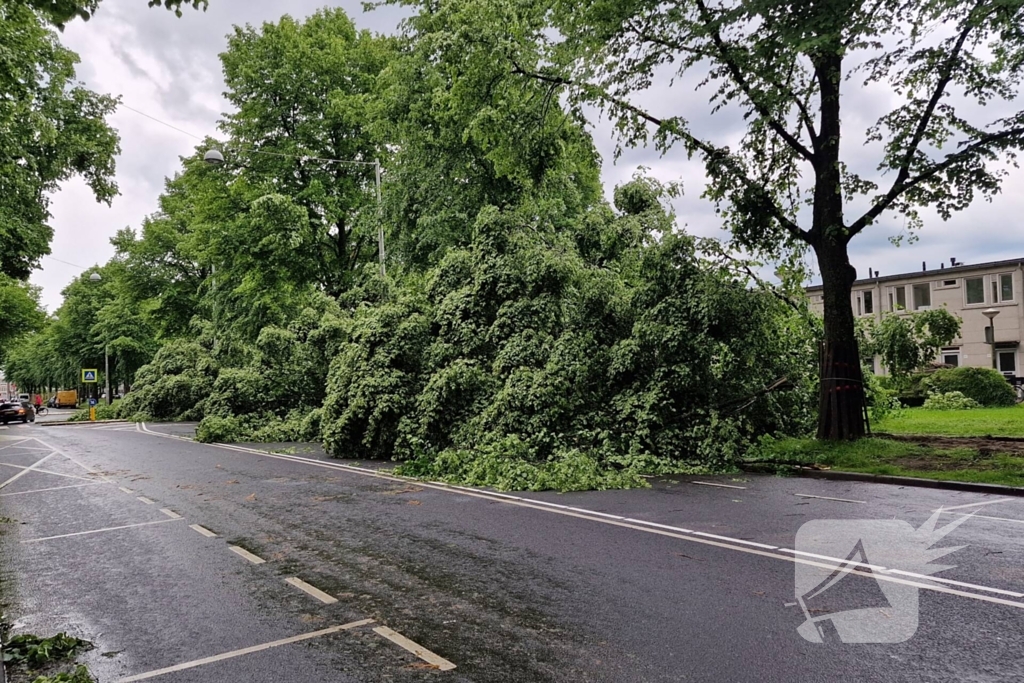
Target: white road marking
997 519
15 445
25 470
203 530
80 464
723 486
170 513
23 448
423 653
841 500
974 505
126 490
145 500
97 531
53 488
959 583
648 527
312 590
42 471
255 559
243 651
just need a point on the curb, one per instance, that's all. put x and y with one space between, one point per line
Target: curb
838 475
80 422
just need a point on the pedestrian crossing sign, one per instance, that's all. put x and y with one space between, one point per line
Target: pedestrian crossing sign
89 376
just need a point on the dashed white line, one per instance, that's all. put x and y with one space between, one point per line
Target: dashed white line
423 653
974 505
145 500
841 500
723 486
125 489
170 513
203 530
243 651
255 559
97 531
312 590
52 488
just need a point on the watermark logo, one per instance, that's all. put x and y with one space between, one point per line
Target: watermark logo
842 586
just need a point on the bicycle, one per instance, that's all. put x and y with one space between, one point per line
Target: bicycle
42 410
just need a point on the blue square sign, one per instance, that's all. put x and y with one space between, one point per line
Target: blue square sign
93 401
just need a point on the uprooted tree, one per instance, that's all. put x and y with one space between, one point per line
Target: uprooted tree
786 67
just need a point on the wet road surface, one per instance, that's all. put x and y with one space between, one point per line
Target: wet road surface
190 562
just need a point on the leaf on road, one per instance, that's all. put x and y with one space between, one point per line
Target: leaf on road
251 497
414 502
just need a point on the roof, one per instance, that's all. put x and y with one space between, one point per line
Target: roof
934 271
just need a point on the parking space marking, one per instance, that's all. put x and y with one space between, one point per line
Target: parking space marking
423 653
145 500
52 488
203 530
834 564
724 486
170 513
255 559
126 490
841 500
97 531
14 445
312 590
244 651
25 470
974 505
33 468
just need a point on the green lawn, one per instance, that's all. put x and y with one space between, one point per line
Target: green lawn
882 456
979 422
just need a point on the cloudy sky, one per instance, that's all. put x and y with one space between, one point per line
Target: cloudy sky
168 68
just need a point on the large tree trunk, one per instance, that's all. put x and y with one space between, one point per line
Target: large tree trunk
841 398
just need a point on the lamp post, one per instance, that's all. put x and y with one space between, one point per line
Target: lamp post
215 157
95 277
990 331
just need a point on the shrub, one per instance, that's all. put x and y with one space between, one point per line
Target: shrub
883 401
951 400
984 385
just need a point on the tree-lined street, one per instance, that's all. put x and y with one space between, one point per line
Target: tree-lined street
505 588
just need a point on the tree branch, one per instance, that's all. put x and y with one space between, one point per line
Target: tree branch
741 81
928 173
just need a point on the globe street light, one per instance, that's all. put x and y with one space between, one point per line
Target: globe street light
990 331
95 277
215 157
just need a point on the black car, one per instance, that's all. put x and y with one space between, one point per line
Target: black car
17 410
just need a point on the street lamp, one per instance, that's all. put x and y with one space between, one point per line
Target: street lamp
215 157
95 277
990 331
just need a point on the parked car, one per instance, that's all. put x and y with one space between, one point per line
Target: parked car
17 410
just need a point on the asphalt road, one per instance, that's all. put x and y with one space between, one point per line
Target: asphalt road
681 582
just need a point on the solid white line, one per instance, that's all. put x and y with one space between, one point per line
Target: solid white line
735 540
312 590
15 445
841 500
97 531
54 488
423 653
723 486
974 505
126 490
25 470
998 519
958 583
145 500
648 527
244 651
203 530
80 464
170 513
42 471
255 559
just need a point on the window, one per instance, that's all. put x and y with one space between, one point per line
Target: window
922 296
858 306
901 298
951 356
995 290
1007 362
869 304
1006 287
949 283
975 290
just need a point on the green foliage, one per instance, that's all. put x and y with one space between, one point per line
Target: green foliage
20 312
950 400
53 129
985 385
174 385
883 401
79 675
908 341
103 412
33 651
1006 421
60 12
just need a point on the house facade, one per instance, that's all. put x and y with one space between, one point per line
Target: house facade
968 291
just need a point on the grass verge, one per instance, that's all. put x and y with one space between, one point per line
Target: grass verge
977 422
897 458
